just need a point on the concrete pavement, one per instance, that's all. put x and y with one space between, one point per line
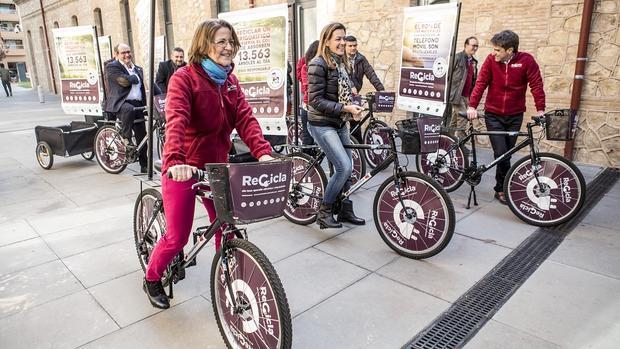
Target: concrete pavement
70 277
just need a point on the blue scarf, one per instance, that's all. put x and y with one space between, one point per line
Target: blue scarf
216 72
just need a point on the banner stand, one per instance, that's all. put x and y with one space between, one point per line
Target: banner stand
448 113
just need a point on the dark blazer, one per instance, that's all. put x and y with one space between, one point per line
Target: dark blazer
323 106
361 68
459 74
119 81
164 72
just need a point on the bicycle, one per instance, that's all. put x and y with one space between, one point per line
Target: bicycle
377 101
413 215
248 299
113 155
542 189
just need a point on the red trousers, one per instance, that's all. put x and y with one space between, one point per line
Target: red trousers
179 203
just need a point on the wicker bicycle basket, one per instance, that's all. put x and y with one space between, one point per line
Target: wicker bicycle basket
250 192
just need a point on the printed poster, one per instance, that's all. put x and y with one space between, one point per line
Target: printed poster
160 50
77 59
105 47
261 62
428 32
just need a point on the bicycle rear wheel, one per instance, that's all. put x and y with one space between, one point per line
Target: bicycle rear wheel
306 193
446 165
372 135
556 197
262 318
419 226
146 236
110 150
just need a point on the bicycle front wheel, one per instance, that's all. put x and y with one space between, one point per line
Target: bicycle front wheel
261 318
414 215
306 192
372 135
446 165
110 150
553 197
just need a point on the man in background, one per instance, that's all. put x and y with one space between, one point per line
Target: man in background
167 68
464 74
5 76
360 68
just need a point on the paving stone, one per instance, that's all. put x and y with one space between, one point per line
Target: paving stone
592 248
187 325
15 231
105 263
312 276
568 306
463 262
498 335
67 322
24 254
495 223
601 214
373 313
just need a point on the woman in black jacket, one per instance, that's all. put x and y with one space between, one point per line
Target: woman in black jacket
329 109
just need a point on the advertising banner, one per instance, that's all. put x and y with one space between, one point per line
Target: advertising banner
428 32
261 62
160 50
78 66
429 128
105 47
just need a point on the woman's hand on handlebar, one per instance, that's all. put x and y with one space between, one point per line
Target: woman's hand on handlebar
181 173
356 111
472 113
265 157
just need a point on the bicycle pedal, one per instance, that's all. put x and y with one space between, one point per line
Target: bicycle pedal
179 275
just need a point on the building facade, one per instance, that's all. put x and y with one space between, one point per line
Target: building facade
12 41
549 29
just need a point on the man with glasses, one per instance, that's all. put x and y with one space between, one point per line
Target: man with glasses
464 74
125 86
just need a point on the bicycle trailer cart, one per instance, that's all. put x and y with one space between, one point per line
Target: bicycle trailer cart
67 140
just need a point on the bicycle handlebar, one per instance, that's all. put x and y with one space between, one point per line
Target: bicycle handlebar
538 120
199 175
139 108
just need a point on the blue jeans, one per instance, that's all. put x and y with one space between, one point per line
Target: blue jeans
331 141
306 137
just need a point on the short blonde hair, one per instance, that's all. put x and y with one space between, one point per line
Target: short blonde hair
204 39
324 50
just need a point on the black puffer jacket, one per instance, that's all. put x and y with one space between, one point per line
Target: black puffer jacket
323 106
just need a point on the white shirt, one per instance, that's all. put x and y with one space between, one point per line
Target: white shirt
135 93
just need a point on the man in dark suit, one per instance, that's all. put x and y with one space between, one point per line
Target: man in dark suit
167 68
125 84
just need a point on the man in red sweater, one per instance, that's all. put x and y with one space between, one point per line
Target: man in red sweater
506 72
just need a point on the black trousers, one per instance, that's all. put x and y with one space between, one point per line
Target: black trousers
127 116
500 143
7 88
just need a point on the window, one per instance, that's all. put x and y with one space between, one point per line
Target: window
98 21
56 25
8 8
223 6
8 26
127 22
14 43
74 21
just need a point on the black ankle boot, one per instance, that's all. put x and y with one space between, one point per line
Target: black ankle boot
347 215
325 217
157 296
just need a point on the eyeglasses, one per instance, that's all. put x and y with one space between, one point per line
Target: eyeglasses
474 46
223 43
125 52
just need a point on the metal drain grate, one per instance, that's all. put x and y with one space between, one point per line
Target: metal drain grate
457 325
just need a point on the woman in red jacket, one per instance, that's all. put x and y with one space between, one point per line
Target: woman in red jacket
506 72
203 105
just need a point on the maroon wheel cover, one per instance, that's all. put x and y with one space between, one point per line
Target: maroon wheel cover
419 222
258 325
376 156
553 196
309 191
446 176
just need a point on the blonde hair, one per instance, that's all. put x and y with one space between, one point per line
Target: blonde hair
204 39
324 51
